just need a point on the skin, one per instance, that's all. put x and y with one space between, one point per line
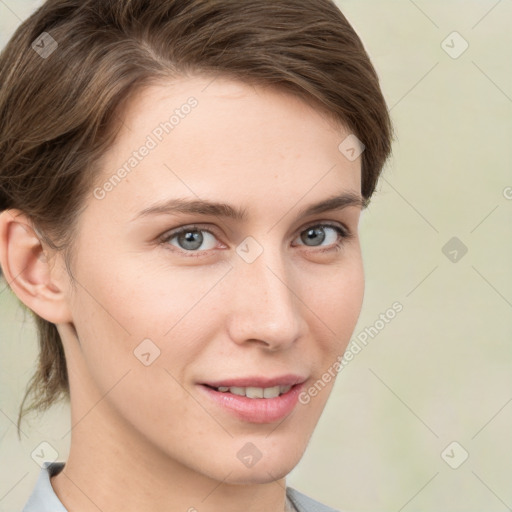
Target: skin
155 442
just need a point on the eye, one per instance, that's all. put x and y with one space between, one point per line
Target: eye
319 233
191 239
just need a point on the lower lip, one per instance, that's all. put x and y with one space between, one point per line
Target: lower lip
256 410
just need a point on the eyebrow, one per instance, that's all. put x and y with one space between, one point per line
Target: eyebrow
217 209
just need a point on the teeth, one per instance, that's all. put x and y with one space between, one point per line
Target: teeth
271 392
253 392
237 391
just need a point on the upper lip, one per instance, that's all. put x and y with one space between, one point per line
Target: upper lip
258 382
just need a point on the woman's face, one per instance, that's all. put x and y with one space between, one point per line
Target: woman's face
253 296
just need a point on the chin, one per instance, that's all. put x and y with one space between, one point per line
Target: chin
275 463
258 475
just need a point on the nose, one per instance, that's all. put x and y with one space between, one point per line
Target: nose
264 306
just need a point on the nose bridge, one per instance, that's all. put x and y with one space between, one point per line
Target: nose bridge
265 307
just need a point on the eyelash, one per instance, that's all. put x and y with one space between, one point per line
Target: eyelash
344 234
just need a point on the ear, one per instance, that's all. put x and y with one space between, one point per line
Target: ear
25 264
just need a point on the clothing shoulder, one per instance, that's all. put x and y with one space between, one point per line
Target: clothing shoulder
43 498
304 503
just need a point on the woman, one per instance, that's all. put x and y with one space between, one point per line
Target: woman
180 190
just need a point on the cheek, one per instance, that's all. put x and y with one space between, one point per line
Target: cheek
134 314
126 358
335 297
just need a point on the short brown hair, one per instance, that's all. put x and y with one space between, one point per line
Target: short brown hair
58 110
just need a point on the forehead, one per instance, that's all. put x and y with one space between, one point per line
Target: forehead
220 139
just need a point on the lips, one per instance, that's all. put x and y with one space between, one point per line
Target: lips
258 382
256 399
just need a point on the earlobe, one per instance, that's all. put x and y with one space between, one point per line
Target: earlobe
39 285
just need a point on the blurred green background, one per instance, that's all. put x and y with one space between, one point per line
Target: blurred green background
440 371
